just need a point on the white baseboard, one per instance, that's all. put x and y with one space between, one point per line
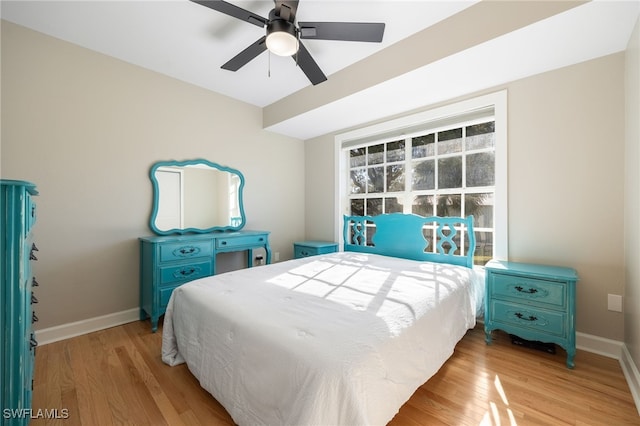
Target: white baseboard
632 375
587 342
66 331
599 345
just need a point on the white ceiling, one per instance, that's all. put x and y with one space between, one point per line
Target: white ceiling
190 42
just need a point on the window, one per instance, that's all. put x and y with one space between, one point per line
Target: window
445 165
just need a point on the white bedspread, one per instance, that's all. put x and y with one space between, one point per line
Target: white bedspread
340 339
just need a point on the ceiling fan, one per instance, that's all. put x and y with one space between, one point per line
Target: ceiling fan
283 35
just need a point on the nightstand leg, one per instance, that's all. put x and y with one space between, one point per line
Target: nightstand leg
570 355
487 336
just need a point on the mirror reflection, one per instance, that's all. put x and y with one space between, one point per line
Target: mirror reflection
196 196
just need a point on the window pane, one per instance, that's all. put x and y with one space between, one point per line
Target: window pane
423 146
395 178
423 205
481 207
449 205
484 248
376 154
376 179
395 151
480 169
450 172
357 157
424 175
450 141
374 206
391 205
481 136
359 180
357 207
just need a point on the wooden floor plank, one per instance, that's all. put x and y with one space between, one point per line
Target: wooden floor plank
117 376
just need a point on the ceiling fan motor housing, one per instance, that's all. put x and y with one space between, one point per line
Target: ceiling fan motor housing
282 37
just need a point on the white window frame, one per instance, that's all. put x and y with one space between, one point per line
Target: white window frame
428 119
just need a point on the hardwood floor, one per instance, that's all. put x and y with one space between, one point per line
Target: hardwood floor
116 376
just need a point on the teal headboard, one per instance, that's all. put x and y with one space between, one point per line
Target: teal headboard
434 239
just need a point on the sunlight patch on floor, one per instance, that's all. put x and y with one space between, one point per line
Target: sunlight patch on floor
492 417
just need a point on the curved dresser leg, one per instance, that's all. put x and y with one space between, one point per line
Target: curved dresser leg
571 353
487 336
154 324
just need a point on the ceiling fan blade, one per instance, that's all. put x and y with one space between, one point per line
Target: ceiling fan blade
309 66
286 9
345 31
233 10
244 57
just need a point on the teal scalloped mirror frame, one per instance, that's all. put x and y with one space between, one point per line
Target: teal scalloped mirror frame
196 196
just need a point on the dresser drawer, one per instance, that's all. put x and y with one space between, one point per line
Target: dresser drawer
184 272
532 291
245 240
190 250
165 295
529 317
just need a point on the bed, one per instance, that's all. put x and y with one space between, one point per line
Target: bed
338 339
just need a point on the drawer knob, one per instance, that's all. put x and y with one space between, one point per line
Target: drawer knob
529 318
224 243
529 291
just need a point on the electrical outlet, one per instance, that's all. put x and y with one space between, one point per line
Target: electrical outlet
614 302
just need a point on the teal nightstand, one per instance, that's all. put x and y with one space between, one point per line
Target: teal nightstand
312 248
534 302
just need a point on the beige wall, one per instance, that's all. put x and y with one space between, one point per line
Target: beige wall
566 152
632 198
86 128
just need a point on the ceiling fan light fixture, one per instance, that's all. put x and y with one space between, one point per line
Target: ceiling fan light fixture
282 39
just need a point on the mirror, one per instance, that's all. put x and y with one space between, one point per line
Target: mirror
196 196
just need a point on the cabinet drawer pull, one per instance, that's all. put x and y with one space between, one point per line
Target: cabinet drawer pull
187 250
32 256
34 317
531 290
187 272
34 299
33 247
34 282
224 243
261 239
33 341
522 317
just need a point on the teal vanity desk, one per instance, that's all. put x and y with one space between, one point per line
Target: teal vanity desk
167 262
197 213
534 302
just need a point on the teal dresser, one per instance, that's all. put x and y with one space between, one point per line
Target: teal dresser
17 340
167 262
534 302
312 248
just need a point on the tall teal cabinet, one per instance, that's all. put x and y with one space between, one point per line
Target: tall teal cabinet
17 339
